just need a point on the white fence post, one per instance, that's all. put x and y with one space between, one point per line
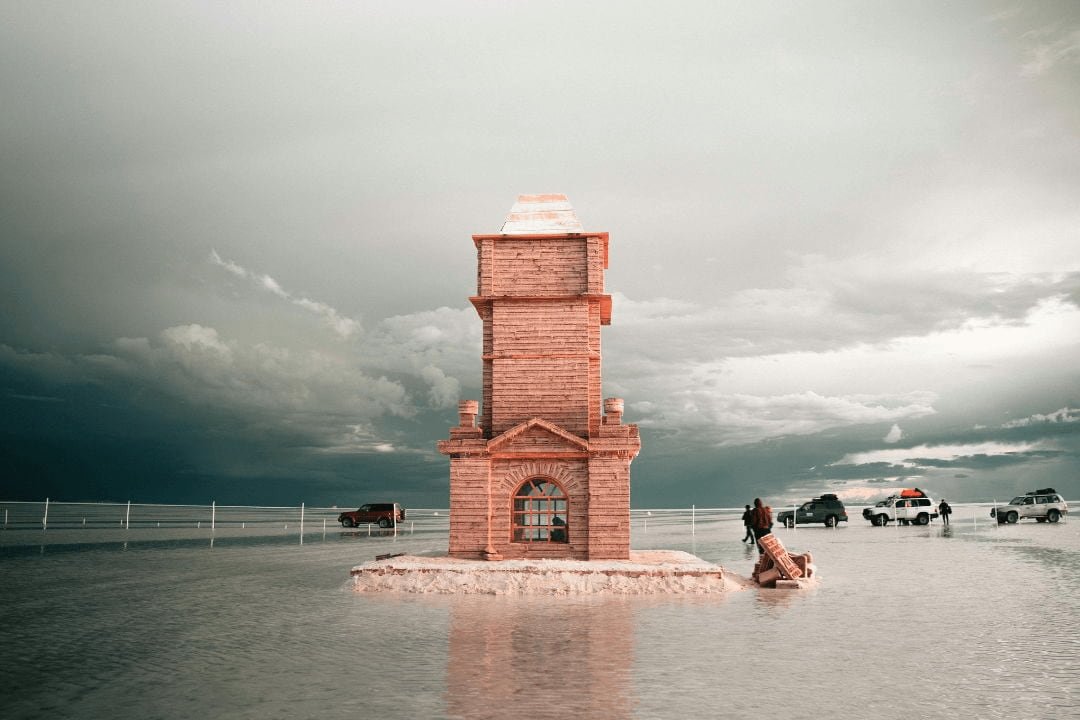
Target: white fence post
301 520
213 515
45 518
127 517
693 519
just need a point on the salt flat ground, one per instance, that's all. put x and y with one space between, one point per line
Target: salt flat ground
978 621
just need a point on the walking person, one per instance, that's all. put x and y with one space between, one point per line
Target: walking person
944 511
749 525
761 519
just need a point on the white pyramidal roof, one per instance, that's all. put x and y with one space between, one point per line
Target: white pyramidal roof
550 213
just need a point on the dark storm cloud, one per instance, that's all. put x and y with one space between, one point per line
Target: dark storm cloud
827 221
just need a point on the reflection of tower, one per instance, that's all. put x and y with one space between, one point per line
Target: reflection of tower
544 474
529 659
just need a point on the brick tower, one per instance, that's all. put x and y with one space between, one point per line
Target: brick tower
544 474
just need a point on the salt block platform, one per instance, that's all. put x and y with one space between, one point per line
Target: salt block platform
652 572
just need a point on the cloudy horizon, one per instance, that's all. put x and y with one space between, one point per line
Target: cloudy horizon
236 251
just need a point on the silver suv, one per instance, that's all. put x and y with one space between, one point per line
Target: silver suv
904 510
1044 505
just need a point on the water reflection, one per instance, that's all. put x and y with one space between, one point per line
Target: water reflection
540 657
773 600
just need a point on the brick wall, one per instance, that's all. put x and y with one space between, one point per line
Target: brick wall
556 389
468 506
609 508
547 266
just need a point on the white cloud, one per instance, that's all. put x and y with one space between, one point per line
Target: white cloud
908 457
444 391
1063 415
675 367
828 305
738 419
1053 46
894 435
447 340
190 337
359 439
344 326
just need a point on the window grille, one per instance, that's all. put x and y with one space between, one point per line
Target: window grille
540 512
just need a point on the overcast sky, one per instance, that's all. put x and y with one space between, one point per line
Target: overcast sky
235 249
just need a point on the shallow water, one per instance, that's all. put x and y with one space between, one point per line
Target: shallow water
979 621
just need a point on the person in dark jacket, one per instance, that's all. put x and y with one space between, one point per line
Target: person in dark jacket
944 511
749 536
761 520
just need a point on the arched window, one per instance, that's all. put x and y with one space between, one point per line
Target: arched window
540 512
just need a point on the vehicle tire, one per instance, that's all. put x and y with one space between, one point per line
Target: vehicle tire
830 521
922 519
347 522
1012 517
384 523
881 520
789 523
1054 515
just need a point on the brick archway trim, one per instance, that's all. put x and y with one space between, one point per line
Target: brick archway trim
522 471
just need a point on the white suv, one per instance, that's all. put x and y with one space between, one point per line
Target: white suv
1043 505
904 510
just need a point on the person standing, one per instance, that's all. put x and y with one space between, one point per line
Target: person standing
944 511
761 519
749 525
